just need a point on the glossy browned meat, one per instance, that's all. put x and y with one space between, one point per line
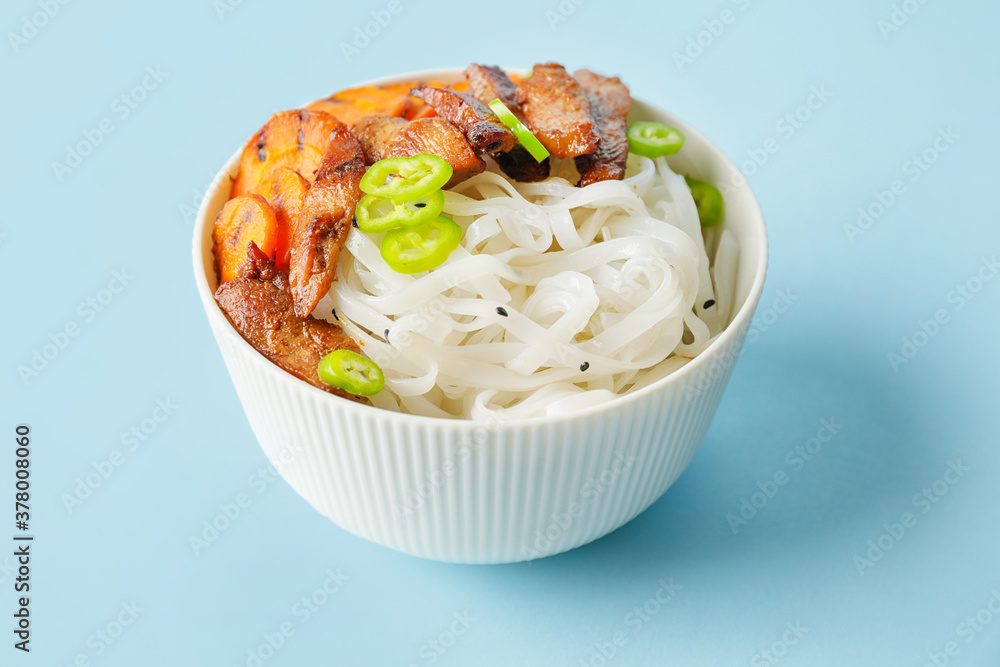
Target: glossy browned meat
259 304
325 220
423 135
491 83
521 166
375 132
438 136
609 104
482 129
557 110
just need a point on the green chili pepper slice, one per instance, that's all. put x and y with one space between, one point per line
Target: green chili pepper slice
420 248
351 372
651 139
404 179
708 199
376 214
523 134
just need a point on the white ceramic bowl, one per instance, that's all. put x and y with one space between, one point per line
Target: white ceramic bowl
470 493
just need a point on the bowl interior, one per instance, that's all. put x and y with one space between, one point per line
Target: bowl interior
699 158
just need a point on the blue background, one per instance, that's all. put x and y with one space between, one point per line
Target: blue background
825 357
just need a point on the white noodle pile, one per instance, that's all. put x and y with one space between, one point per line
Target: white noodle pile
603 288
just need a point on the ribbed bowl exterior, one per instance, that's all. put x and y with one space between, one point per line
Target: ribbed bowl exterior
464 492
455 491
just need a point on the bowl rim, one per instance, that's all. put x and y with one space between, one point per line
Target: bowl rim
740 321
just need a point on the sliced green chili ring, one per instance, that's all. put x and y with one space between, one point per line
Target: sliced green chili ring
651 139
351 372
404 179
377 214
420 248
523 134
708 199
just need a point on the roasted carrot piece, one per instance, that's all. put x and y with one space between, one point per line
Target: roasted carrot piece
345 112
242 220
348 106
285 191
295 139
403 88
391 96
424 110
394 99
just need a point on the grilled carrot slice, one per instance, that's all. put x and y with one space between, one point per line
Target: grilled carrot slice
348 106
242 220
294 139
345 112
285 191
423 111
391 96
393 99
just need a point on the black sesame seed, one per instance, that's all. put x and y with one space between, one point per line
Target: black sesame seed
585 365
335 315
419 204
501 311
709 303
387 335
354 222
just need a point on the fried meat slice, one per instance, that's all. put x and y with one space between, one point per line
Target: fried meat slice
325 220
375 132
557 110
483 130
382 137
259 304
492 83
520 165
609 104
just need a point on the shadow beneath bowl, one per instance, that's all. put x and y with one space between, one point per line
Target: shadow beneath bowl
769 428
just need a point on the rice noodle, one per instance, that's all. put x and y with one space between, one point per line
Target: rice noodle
559 298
